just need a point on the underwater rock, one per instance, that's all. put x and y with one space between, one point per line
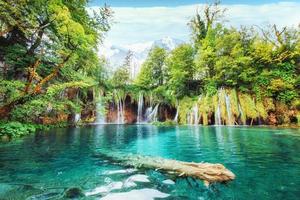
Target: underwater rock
168 182
142 194
105 189
122 171
5 188
73 193
4 138
139 178
44 196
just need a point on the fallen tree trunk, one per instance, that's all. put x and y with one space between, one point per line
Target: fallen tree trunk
209 173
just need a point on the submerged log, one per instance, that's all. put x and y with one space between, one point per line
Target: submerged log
209 173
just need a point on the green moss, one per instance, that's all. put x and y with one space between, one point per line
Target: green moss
222 103
166 123
269 104
234 102
261 110
248 106
205 105
205 119
186 105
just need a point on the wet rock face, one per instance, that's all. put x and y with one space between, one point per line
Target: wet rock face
112 113
88 114
166 112
58 118
272 119
4 138
130 112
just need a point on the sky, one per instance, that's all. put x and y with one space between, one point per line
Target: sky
171 3
137 21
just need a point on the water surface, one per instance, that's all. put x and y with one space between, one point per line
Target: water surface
266 162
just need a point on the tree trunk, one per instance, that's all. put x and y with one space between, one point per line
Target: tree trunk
209 173
6 109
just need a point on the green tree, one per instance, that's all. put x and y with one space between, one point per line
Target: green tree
181 70
152 72
121 77
211 14
47 42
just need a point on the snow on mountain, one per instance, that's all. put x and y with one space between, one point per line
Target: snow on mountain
115 55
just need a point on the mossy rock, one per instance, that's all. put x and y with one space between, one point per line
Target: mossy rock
73 193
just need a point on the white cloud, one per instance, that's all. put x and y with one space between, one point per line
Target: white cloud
135 25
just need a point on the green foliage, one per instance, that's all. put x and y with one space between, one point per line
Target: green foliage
180 67
10 90
152 72
248 106
185 105
206 105
48 49
16 129
165 123
121 77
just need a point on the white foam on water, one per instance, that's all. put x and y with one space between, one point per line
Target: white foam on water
123 171
169 182
105 189
139 178
142 194
129 183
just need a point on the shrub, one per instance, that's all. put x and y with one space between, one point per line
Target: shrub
16 129
166 123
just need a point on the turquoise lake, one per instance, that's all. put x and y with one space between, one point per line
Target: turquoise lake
266 162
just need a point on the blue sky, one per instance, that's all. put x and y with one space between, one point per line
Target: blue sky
138 21
147 3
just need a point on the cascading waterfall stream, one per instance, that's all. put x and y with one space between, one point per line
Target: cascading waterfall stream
77 118
152 117
195 114
241 113
100 119
177 114
218 115
140 108
120 105
228 110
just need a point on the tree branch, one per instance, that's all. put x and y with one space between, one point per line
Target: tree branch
38 87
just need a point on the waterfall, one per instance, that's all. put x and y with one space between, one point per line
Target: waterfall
100 119
77 118
241 114
228 109
195 113
218 118
218 115
177 114
140 108
152 117
148 112
120 106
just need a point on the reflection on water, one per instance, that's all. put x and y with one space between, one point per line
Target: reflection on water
266 162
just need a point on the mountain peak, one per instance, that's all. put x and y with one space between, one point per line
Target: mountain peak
116 54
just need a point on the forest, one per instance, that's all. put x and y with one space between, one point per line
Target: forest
52 76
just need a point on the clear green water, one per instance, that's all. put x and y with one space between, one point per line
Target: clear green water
266 162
